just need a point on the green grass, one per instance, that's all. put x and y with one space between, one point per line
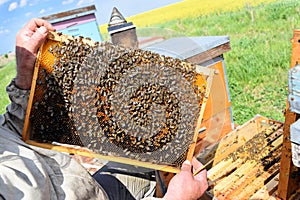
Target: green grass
258 62
7 72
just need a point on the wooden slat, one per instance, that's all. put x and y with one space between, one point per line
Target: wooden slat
70 13
26 128
222 169
226 184
264 174
288 184
243 183
239 187
250 163
262 194
70 149
209 73
259 182
209 54
266 192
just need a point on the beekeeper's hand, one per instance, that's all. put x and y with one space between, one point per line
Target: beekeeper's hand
185 186
28 41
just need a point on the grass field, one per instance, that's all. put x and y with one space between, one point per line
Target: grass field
6 74
258 63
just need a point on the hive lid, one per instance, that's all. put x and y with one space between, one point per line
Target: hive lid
186 47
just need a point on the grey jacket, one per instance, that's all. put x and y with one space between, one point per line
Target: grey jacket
28 172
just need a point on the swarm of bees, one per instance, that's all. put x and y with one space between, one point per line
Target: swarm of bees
117 101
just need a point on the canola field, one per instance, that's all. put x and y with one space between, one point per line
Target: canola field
187 9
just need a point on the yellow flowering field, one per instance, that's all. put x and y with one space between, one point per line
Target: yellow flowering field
187 9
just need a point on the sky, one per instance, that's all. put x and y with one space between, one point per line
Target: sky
14 14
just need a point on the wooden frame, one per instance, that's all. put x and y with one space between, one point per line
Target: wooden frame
237 170
72 149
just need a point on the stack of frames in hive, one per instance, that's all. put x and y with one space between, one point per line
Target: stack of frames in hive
125 105
246 162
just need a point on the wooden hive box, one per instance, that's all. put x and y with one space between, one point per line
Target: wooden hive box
245 163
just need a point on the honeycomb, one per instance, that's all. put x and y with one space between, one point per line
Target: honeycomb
116 101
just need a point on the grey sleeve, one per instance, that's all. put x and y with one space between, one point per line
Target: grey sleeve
14 117
29 172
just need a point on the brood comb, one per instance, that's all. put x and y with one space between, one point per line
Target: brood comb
116 101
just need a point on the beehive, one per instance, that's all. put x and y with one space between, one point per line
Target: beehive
126 105
246 162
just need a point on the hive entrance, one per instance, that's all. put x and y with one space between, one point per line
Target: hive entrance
116 101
